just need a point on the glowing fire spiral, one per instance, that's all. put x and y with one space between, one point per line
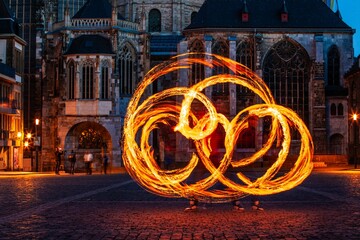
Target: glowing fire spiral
146 115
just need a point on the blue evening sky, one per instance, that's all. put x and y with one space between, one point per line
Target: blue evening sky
350 11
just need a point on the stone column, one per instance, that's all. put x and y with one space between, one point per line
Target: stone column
77 81
97 71
208 71
232 86
317 120
182 144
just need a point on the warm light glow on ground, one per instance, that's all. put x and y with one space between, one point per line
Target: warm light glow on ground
146 115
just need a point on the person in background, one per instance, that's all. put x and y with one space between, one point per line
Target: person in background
105 163
87 162
72 160
58 153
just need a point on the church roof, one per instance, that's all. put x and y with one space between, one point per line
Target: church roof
265 14
96 9
90 44
8 23
355 68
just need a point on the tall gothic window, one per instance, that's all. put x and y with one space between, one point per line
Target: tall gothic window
154 20
245 56
193 15
197 70
286 72
220 48
354 95
105 81
333 66
87 81
340 111
333 109
71 80
127 71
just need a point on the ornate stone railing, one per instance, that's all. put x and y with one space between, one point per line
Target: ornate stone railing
128 25
91 23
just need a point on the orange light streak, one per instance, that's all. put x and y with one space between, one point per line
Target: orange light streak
144 117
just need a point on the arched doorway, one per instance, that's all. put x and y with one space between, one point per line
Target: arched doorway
88 136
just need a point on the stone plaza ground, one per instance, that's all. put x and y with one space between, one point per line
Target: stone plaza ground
48 206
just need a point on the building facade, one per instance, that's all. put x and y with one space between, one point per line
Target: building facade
93 62
27 13
12 49
302 60
95 58
352 77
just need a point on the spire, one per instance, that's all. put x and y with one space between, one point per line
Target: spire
284 13
67 14
114 13
284 8
245 13
338 10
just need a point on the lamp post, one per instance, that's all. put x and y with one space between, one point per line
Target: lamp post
355 118
37 121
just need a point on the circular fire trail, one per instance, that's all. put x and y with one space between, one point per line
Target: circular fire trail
144 115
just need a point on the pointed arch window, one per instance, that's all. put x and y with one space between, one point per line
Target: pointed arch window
154 20
286 72
87 81
71 80
220 48
340 109
197 70
193 15
333 66
105 81
333 109
245 56
127 73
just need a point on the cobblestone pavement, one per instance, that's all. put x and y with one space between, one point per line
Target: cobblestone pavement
45 206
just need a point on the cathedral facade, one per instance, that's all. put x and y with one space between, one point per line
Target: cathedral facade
94 60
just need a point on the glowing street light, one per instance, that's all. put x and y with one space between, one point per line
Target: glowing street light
354 118
36 143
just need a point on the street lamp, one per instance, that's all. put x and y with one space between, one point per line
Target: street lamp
37 121
355 117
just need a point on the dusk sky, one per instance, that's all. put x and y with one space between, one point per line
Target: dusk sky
350 10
